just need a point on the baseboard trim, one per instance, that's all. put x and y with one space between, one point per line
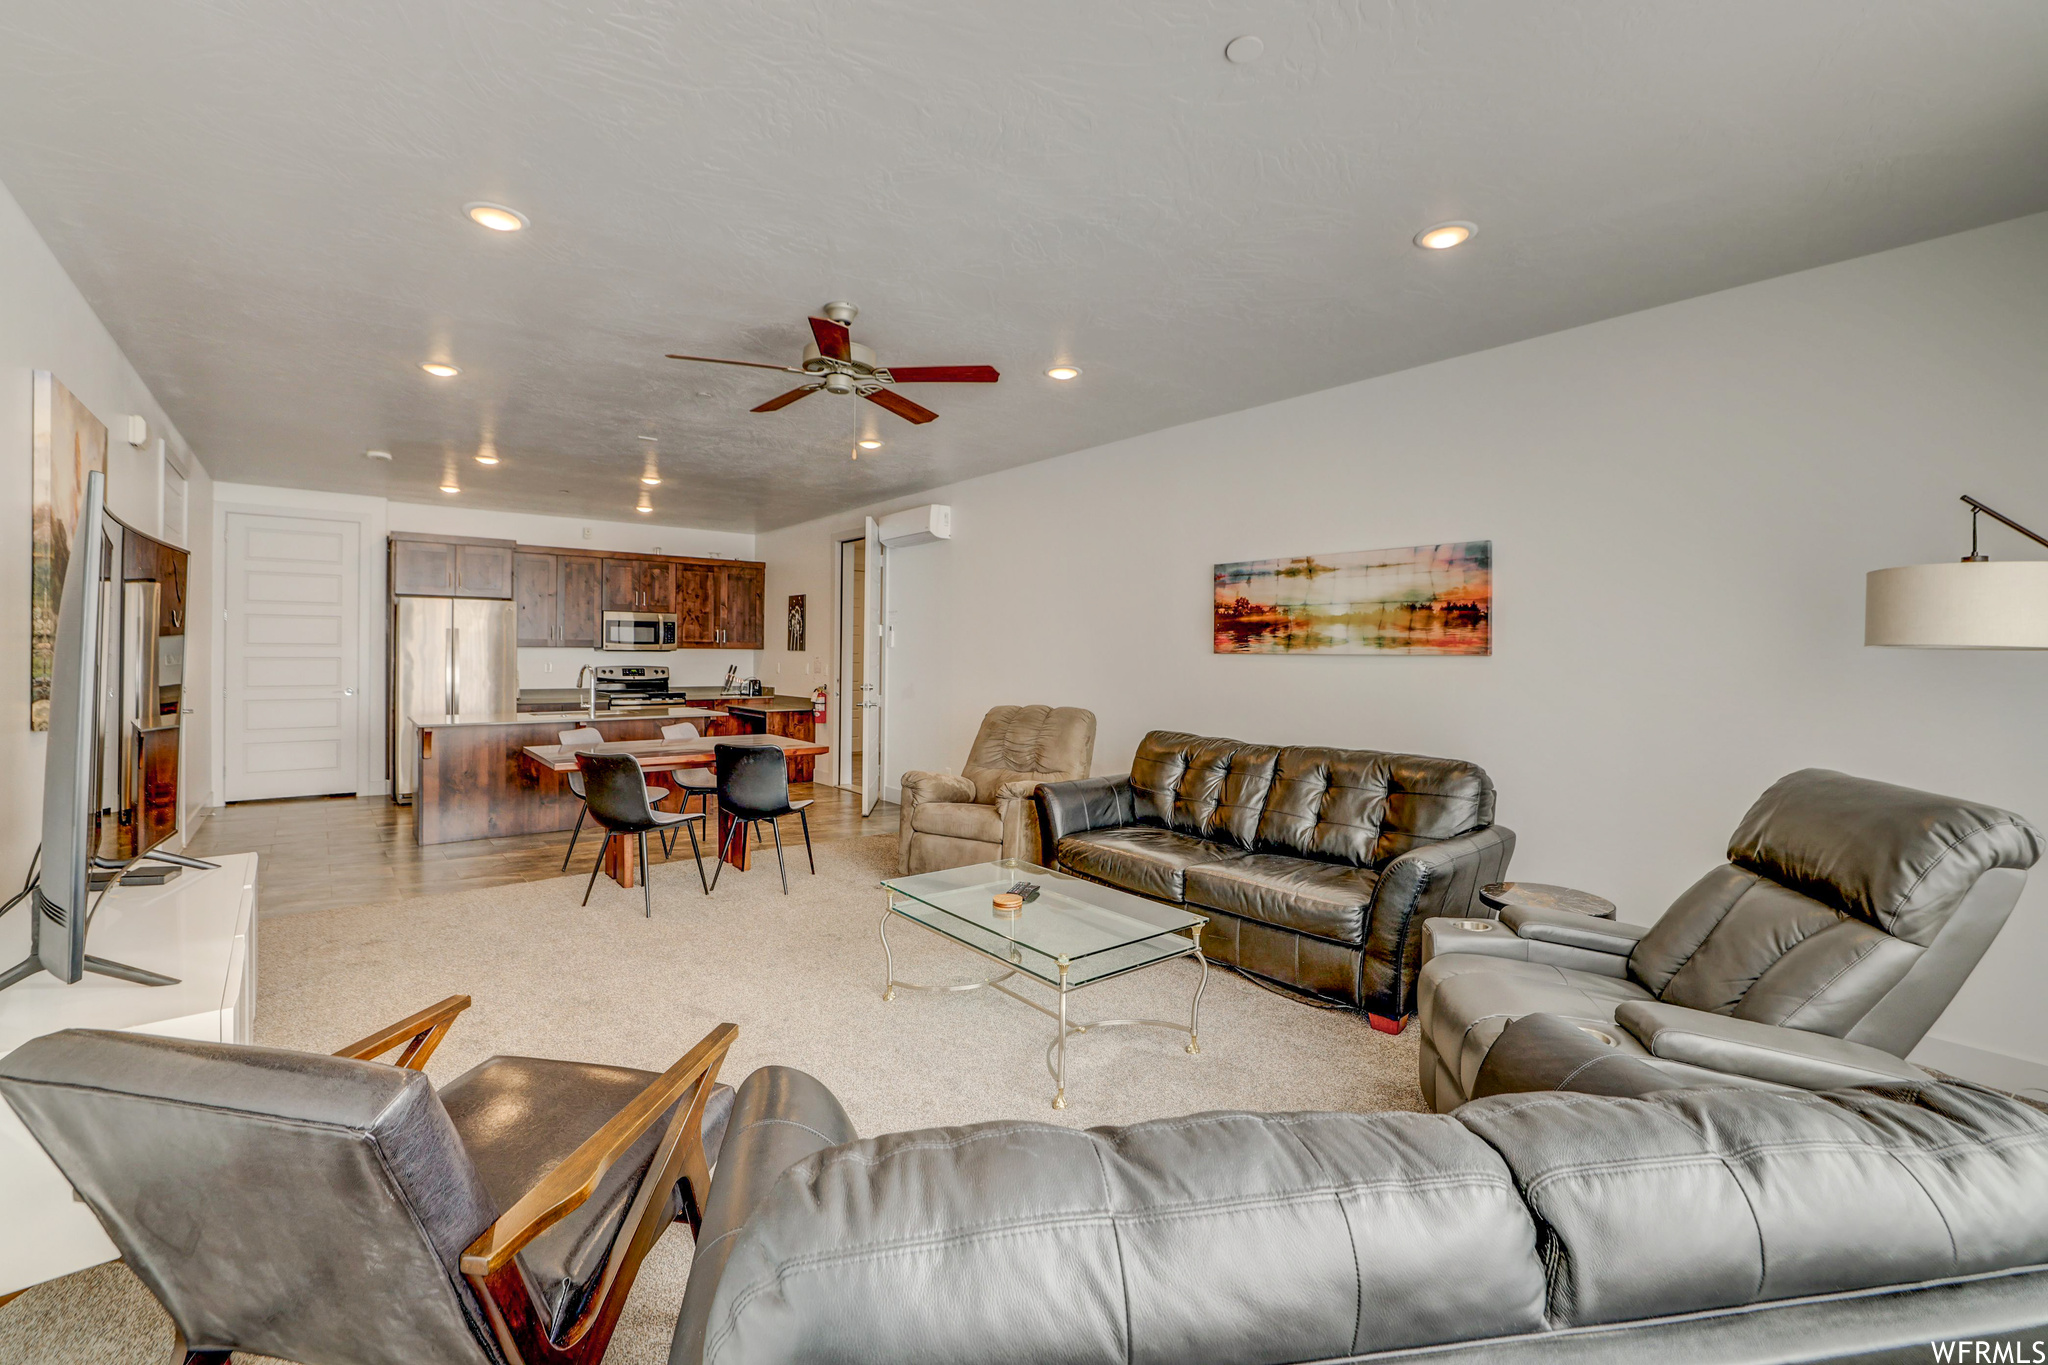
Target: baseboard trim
1995 1069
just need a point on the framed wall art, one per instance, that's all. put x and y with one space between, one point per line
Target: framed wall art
1420 599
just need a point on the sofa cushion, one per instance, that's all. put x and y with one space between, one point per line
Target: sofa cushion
1233 1238
1140 858
1694 1200
1328 900
958 820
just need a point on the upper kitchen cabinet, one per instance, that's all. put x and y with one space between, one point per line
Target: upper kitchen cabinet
449 566
639 585
580 598
719 606
697 604
560 599
742 614
536 596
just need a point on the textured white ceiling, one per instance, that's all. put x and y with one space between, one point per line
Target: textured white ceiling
262 200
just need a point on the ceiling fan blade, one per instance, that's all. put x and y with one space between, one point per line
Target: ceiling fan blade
944 374
832 338
783 400
901 406
750 364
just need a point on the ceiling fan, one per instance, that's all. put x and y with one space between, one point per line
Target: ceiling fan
835 363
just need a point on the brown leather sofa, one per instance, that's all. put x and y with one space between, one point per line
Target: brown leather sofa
1315 866
985 813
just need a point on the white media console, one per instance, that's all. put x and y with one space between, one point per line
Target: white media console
199 927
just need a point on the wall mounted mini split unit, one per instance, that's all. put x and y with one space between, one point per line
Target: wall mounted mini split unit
917 525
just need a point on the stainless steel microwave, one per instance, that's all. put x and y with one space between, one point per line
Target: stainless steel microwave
639 630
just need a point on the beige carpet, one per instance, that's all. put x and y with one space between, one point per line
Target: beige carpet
801 975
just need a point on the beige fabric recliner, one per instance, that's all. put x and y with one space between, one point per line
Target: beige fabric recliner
986 812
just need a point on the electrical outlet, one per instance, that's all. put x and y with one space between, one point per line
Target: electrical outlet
547 667
586 533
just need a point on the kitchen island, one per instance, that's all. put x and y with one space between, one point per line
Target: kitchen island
472 785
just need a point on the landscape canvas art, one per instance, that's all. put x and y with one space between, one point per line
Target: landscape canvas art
69 444
1420 599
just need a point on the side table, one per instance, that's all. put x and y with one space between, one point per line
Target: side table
1543 896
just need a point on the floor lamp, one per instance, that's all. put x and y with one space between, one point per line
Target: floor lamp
1973 604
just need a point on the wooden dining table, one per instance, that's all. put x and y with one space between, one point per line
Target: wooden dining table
621 861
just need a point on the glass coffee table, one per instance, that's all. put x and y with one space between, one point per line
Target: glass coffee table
1072 933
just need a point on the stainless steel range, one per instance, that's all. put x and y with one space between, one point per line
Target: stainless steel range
636 685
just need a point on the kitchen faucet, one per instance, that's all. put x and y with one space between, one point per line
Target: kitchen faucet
591 670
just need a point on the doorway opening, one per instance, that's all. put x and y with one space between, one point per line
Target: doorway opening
853 560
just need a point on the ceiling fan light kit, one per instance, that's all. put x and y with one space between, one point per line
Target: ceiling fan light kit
833 362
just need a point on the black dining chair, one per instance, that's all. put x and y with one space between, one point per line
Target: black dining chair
615 793
690 781
590 736
753 788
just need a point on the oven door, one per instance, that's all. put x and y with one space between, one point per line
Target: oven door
639 630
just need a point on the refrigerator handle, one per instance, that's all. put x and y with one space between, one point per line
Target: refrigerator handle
454 698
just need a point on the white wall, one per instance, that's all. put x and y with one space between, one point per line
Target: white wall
1683 504
379 516
45 324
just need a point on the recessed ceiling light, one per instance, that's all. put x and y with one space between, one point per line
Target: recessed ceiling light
483 458
647 438
376 454
1248 48
651 480
869 443
439 370
450 488
496 217
1063 372
1444 236
643 507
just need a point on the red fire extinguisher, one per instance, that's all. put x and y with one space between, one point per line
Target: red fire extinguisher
818 704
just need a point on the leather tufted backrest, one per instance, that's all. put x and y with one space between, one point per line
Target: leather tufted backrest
1029 744
1781 1195
283 1203
1848 907
1354 806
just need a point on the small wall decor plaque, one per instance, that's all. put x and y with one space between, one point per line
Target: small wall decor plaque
796 623
1420 599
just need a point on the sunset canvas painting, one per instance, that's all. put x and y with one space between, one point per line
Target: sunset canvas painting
1420 599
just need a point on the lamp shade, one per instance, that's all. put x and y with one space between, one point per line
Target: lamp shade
1999 604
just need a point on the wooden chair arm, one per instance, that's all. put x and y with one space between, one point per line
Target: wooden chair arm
425 1031
565 1187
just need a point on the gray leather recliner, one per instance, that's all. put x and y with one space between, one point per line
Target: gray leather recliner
1712 1226
1846 918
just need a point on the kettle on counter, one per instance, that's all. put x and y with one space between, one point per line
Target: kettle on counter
751 688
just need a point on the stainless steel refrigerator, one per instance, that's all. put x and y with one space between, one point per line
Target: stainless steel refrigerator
452 658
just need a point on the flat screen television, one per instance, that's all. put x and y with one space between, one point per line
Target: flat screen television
80 758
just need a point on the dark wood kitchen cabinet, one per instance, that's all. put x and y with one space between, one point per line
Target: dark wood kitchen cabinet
697 589
450 566
536 596
742 616
560 599
639 585
580 596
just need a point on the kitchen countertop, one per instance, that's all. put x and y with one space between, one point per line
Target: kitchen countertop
769 704
442 722
572 699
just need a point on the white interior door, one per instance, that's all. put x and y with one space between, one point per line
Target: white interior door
290 705
872 654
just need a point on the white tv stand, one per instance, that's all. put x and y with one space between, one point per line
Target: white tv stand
199 927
